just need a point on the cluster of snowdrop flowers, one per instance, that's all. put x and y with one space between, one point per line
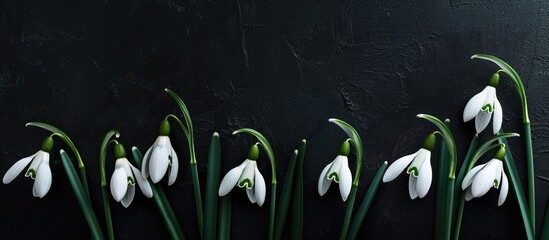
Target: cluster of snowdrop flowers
124 178
39 169
246 175
481 178
482 105
160 157
337 171
419 169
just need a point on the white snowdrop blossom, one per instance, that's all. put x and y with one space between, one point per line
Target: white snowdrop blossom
418 167
482 105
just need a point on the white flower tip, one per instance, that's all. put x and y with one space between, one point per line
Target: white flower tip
332 119
134 148
385 163
27 124
420 115
474 56
62 151
235 132
295 152
215 134
304 141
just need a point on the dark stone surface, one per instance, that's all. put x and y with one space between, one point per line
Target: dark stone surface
281 67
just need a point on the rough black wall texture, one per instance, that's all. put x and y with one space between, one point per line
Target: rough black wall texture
281 67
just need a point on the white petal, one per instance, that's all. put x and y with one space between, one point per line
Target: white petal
230 179
174 168
474 105
145 163
128 198
412 182
397 167
323 182
142 182
42 183
34 193
119 184
158 164
498 116
482 120
468 179
36 161
425 177
17 168
259 187
345 180
251 194
484 179
468 194
504 189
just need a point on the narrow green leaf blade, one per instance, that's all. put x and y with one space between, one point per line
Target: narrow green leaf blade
212 185
297 196
285 196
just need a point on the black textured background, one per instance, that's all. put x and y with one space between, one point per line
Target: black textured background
281 67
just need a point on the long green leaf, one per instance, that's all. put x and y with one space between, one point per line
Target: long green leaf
545 227
442 182
297 195
459 199
212 185
516 185
224 232
366 202
285 196
161 202
81 196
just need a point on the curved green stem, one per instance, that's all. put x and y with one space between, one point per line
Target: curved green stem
194 171
270 155
68 141
448 139
105 192
359 149
517 81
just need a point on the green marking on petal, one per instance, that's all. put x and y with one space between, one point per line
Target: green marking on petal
246 183
31 173
496 184
131 180
414 171
170 159
334 177
487 108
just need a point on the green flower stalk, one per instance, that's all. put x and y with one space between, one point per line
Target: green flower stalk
105 192
272 159
187 128
356 142
517 81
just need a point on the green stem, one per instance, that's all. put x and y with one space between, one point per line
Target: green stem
516 185
190 139
285 196
68 141
212 186
545 228
297 196
366 202
104 189
348 213
270 154
458 196
83 199
531 175
443 168
225 217
161 202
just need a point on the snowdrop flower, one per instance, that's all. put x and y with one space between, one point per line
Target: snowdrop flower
39 169
160 156
337 171
419 168
246 175
124 177
481 178
482 105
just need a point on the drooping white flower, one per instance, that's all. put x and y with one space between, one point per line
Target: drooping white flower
39 169
482 105
419 168
481 178
337 171
246 175
160 157
123 182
